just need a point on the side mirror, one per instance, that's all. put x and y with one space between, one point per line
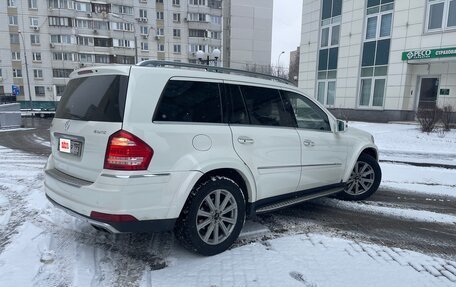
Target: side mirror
341 126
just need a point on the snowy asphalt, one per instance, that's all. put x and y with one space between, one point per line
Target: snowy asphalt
393 220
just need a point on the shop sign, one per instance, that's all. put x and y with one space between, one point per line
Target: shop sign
428 54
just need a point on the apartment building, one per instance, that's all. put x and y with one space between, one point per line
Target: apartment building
54 37
379 60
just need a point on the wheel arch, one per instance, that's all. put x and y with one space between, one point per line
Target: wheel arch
370 150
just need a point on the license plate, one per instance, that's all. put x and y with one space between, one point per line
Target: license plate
70 146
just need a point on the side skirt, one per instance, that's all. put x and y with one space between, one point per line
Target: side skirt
286 200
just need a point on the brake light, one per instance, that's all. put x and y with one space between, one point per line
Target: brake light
126 151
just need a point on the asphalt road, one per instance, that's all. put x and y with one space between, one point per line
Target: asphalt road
321 215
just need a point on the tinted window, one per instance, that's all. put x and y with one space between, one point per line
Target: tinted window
371 3
368 53
95 98
383 48
337 8
308 115
265 107
332 63
188 101
323 60
234 110
326 9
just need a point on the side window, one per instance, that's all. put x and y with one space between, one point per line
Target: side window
308 114
265 107
234 110
188 101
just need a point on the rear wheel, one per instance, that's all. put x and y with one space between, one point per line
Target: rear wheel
364 179
213 216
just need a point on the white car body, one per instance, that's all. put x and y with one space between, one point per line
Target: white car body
273 162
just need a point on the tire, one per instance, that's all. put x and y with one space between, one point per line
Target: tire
364 179
219 223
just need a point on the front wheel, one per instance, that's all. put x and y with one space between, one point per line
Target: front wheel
213 216
364 179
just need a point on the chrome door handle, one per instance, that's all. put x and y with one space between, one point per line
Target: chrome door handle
308 143
245 140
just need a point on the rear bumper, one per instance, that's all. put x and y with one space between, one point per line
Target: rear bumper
153 200
121 227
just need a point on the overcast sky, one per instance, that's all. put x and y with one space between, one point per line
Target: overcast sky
286 29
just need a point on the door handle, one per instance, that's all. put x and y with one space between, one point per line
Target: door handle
245 140
308 143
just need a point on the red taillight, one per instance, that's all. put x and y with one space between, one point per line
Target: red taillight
126 151
112 217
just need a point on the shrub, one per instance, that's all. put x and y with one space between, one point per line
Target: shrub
428 118
447 113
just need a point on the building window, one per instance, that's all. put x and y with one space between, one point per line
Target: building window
160 15
142 13
105 59
329 51
36 56
144 46
14 38
61 73
176 17
83 7
176 33
60 21
39 91
16 56
122 9
197 2
160 47
441 15
61 4
375 55
144 30
35 39
59 89
12 20
11 3
161 32
17 73
33 21
197 33
63 56
330 9
177 49
197 17
216 19
37 73
159 1
61 39
33 4
176 2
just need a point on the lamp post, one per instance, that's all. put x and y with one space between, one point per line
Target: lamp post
215 54
278 60
26 70
134 31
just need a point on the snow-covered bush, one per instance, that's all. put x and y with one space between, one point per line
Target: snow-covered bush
446 118
428 118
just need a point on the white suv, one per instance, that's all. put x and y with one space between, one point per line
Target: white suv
153 147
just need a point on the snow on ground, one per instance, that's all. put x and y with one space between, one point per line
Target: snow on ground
408 214
304 260
428 180
42 246
405 142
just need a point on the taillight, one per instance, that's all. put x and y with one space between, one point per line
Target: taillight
126 151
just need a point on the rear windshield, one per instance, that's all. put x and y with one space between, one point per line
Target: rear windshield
94 98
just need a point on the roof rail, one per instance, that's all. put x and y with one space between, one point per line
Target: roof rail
156 63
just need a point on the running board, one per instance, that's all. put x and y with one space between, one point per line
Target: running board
297 200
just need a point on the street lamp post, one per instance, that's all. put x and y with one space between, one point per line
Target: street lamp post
278 60
26 70
134 32
215 54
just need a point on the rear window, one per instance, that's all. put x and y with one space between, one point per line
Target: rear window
95 98
189 101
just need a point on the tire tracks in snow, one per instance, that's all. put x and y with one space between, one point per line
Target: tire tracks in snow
114 260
